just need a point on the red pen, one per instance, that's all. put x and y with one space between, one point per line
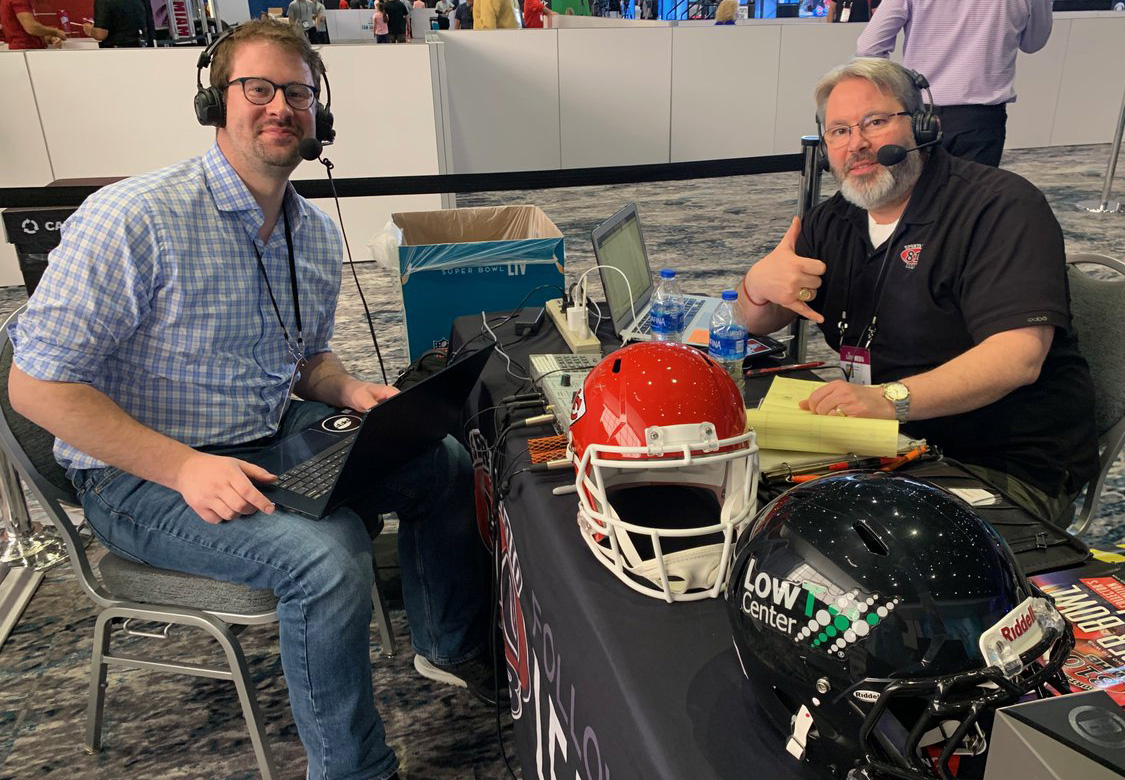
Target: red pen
780 369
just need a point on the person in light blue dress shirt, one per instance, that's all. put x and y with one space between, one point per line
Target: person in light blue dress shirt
158 349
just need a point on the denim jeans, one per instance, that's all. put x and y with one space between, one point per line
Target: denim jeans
321 572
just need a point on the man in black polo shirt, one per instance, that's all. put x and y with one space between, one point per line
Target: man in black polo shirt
121 24
942 284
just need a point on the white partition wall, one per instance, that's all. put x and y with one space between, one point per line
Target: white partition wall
807 53
24 161
724 89
117 112
615 96
1038 76
503 91
1092 81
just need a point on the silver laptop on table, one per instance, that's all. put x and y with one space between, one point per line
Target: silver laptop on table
618 242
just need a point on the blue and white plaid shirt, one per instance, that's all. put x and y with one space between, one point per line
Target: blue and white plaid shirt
154 297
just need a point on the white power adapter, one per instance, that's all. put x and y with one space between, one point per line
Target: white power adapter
577 322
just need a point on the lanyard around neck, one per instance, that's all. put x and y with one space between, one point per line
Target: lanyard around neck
867 335
298 350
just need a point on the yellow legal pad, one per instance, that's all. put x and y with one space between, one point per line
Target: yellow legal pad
780 424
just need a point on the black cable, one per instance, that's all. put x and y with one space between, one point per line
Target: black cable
509 317
328 166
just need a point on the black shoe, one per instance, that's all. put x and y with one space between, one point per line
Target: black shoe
477 675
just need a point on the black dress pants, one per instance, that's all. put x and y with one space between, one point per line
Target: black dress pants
974 132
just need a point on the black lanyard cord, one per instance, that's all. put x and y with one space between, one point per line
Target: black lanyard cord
880 284
300 348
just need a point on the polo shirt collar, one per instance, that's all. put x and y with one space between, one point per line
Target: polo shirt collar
230 193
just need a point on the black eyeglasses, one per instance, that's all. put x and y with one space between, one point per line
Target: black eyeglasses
260 92
870 126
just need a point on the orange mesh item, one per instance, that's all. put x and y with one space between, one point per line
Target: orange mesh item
546 448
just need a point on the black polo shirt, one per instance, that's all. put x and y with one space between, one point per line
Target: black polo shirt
977 252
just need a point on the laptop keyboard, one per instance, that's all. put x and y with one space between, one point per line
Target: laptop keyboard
691 306
316 476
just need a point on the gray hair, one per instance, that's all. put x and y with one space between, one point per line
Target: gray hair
890 78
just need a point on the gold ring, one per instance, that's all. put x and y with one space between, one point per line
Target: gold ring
804 295
840 412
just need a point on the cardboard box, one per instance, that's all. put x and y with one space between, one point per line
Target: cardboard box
464 261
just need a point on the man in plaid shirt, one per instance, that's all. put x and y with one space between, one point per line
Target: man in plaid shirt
162 345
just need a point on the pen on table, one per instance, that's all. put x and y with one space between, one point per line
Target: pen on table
843 465
914 454
780 369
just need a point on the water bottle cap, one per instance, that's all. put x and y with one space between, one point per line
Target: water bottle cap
730 295
667 273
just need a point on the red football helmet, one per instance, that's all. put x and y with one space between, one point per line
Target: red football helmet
666 469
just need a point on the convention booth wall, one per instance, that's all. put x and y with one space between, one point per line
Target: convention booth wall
675 93
504 100
119 112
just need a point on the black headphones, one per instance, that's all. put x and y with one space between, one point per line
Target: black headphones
211 104
924 122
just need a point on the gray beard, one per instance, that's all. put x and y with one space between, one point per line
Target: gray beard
888 186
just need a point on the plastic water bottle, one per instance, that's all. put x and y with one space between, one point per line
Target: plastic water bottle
727 342
666 315
64 21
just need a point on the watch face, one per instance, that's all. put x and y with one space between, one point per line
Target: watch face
896 392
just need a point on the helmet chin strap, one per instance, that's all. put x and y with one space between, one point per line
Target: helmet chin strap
694 569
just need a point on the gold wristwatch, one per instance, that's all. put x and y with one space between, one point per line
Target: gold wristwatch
899 395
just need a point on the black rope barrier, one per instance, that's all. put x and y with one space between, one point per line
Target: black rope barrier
71 196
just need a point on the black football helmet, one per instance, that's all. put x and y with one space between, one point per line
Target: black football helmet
880 621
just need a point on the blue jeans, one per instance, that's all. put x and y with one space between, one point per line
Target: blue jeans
322 574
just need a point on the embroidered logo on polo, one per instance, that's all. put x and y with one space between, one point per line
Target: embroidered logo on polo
810 613
911 254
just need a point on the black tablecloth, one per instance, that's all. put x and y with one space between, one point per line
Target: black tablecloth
610 684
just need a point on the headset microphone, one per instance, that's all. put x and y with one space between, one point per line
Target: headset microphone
309 148
893 154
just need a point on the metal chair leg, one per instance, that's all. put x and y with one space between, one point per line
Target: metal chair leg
95 710
240 674
386 632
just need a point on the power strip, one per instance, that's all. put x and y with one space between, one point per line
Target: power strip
578 345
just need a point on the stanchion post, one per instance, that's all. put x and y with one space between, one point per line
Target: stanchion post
808 195
1105 205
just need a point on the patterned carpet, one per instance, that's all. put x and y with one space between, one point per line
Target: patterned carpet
167 727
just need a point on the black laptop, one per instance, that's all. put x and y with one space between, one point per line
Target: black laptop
333 460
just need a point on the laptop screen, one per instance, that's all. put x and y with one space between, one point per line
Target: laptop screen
618 243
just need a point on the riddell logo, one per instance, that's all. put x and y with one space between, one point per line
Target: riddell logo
1019 628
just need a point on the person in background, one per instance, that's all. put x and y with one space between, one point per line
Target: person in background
494 15
23 31
533 13
343 6
121 24
463 16
942 285
848 11
968 51
379 24
397 15
158 388
419 4
443 7
307 16
727 12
